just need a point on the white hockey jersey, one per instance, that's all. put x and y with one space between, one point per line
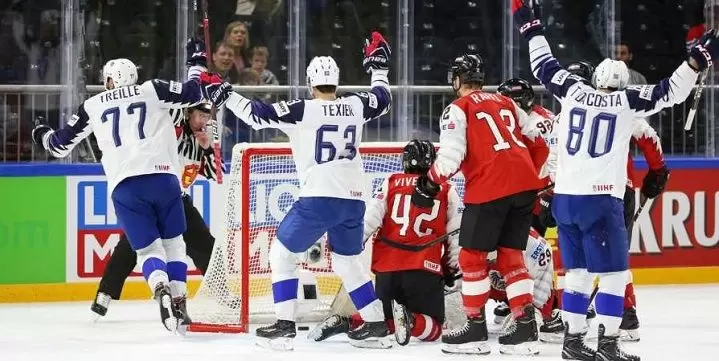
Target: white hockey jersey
594 128
132 127
324 135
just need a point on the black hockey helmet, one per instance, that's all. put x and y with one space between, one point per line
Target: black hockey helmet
519 90
582 69
418 156
469 68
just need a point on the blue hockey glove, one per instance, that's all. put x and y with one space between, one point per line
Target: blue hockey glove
39 132
214 88
527 17
706 50
376 53
196 53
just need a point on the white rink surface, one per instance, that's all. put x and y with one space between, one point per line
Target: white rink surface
677 323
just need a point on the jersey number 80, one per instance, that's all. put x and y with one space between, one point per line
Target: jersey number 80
603 125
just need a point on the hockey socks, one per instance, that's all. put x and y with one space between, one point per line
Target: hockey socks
424 328
176 265
510 263
610 300
358 284
475 285
575 299
154 267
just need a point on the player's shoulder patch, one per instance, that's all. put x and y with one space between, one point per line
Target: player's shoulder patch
646 91
175 87
372 101
73 120
560 77
281 108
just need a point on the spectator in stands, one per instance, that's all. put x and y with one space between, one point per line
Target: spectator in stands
250 77
237 37
223 62
260 56
624 53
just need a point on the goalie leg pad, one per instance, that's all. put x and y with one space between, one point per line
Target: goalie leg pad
357 281
176 265
475 285
285 280
510 263
154 264
575 298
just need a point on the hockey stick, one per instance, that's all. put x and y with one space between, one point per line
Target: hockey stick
642 203
213 111
417 247
695 104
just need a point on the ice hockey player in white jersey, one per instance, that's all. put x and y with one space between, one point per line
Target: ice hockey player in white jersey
140 159
593 132
325 134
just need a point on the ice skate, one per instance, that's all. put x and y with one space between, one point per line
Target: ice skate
574 347
333 325
500 313
100 304
167 313
520 337
277 336
552 329
370 335
179 305
468 339
629 329
608 348
403 323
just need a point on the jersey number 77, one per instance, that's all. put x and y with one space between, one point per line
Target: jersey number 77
137 110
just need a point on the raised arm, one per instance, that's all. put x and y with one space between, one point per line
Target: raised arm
61 142
378 100
175 95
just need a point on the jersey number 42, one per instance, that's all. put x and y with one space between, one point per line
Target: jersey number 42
402 215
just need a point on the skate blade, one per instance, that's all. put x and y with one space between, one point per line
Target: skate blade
372 342
629 335
402 330
470 348
523 349
170 322
277 344
551 337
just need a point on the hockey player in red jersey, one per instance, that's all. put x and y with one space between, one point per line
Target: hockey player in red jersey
645 138
409 275
485 137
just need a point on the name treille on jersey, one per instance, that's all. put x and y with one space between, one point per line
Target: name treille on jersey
120 93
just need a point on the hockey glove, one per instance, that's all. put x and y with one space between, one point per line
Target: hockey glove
214 88
546 218
706 50
376 53
654 182
196 53
39 132
424 192
527 17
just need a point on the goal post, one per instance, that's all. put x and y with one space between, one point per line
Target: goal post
262 185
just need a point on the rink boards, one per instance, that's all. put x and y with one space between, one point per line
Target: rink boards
57 229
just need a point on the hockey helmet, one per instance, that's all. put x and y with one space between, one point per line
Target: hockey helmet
582 69
123 72
468 68
322 70
418 156
611 74
205 107
519 90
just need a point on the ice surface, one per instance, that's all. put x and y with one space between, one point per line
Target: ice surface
677 323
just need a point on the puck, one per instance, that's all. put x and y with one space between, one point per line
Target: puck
303 328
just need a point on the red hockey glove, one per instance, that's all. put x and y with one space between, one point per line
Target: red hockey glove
376 53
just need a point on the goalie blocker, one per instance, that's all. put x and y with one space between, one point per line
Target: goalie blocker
410 281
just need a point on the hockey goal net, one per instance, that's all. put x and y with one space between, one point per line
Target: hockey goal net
261 187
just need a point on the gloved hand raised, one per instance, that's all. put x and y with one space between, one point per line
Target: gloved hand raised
527 17
214 88
376 53
196 53
705 51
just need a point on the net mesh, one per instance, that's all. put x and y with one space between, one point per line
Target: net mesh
262 186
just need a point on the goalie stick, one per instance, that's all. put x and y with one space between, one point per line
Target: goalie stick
213 111
695 103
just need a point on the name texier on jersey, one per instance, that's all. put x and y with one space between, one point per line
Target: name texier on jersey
594 128
399 221
324 135
132 127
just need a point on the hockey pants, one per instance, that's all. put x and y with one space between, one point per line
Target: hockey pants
197 237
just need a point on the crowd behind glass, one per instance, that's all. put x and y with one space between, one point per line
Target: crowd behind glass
251 44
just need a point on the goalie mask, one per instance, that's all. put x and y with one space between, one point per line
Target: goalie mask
418 156
468 68
518 90
123 72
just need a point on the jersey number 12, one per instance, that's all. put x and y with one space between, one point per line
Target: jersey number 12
138 108
509 122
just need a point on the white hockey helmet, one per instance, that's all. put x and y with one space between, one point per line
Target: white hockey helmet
323 70
122 71
612 74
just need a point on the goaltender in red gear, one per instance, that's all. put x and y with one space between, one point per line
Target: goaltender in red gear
488 139
413 258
